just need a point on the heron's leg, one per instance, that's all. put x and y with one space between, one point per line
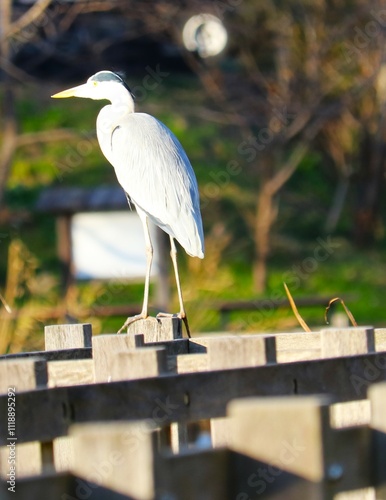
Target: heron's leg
182 313
149 259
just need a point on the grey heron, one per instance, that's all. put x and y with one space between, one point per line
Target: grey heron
152 168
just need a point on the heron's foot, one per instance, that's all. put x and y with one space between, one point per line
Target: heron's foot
180 315
133 319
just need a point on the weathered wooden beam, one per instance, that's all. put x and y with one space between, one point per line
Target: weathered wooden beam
157 329
22 459
293 437
70 372
139 363
118 456
22 374
346 341
69 336
62 354
46 413
285 432
377 397
63 486
105 349
235 351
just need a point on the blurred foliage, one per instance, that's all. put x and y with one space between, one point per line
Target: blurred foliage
317 67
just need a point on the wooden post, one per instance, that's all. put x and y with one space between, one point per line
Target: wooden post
70 372
157 329
179 438
105 349
139 363
64 246
350 413
285 432
23 374
70 336
116 455
297 346
377 397
380 339
16 376
235 351
336 342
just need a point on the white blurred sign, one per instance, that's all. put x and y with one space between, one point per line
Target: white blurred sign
110 245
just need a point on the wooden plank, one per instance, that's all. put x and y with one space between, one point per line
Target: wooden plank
236 351
69 336
117 455
293 436
298 346
105 348
70 372
157 329
220 432
139 363
380 339
350 413
27 456
346 341
291 355
377 397
285 432
361 494
20 375
63 453
179 436
297 340
63 486
232 351
190 363
62 354
187 397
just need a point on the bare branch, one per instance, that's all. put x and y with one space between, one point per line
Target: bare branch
28 18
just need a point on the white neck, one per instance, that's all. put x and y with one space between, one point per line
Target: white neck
121 98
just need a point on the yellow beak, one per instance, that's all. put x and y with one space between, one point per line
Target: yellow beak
64 93
78 91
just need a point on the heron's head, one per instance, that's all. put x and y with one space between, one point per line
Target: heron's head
102 85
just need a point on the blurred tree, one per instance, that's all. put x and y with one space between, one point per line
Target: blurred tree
306 78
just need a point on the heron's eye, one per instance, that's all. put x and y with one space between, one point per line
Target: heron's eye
95 83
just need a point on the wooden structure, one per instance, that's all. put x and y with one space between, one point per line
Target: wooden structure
151 415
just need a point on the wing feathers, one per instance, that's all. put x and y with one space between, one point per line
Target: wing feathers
155 172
